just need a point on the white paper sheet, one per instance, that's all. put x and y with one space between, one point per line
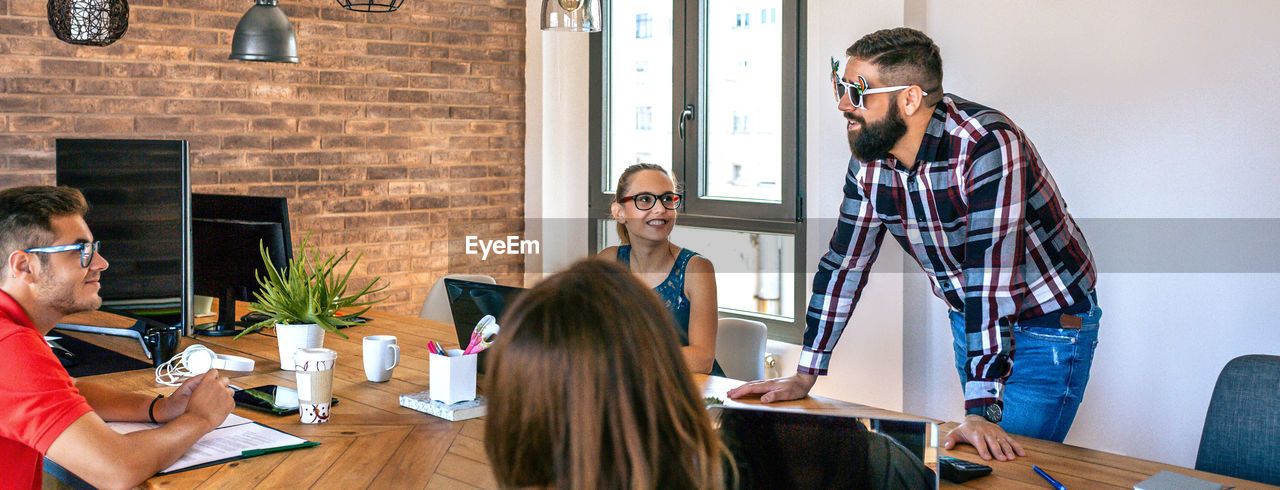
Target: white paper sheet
235 435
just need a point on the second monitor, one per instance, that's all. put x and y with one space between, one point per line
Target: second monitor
225 233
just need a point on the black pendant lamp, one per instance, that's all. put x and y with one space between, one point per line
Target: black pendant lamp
572 15
89 22
264 34
371 5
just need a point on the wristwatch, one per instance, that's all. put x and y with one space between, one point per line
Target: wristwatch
993 412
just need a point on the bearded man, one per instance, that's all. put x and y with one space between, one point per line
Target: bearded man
965 193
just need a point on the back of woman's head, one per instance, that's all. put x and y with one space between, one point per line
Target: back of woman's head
587 389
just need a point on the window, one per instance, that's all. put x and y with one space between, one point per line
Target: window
741 172
644 118
644 26
769 16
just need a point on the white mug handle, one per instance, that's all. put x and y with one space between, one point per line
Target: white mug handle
395 349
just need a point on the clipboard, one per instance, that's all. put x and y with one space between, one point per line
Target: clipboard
237 438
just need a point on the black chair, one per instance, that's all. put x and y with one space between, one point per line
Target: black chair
1241 435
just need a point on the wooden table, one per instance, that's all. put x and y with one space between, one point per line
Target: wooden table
371 441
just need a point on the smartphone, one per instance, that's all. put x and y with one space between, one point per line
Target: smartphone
275 399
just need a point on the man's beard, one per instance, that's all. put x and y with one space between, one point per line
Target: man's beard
62 299
875 141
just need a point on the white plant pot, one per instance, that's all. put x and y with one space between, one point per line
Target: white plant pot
290 338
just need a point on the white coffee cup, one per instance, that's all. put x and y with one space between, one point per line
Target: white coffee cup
381 356
314 370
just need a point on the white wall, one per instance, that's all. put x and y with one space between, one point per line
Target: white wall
1141 109
556 81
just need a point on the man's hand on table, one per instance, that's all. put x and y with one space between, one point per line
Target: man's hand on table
210 399
987 438
170 407
777 389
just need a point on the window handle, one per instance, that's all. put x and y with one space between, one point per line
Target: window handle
687 115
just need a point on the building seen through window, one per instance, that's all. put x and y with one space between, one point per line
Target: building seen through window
644 26
644 118
769 16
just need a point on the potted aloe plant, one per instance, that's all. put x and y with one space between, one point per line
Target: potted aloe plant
302 301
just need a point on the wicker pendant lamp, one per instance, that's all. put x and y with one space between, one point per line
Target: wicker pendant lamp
89 22
371 5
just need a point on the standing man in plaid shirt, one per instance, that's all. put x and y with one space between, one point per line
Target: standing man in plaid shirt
964 191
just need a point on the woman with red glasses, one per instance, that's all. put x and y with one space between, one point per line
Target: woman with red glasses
645 206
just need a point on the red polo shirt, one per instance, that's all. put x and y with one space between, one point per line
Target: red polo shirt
37 399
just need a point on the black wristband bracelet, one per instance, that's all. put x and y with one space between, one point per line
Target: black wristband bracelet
151 410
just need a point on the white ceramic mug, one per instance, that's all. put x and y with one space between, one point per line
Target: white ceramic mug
381 356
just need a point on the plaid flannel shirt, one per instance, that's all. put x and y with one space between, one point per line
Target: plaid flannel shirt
981 215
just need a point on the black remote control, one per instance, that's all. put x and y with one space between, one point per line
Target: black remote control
959 471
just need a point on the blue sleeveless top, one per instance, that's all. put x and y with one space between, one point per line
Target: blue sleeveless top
671 292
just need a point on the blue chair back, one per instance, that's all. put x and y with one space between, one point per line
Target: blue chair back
1241 435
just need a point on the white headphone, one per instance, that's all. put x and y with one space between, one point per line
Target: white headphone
197 360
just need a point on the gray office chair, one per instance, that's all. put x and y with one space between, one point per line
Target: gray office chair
1241 435
436 307
740 348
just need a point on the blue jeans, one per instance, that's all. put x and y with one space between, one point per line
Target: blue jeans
1050 370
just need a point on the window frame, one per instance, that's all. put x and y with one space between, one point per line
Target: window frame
785 217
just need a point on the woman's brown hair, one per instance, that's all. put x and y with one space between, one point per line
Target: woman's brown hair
624 182
587 389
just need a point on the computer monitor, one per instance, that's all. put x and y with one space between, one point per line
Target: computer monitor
138 193
244 208
226 233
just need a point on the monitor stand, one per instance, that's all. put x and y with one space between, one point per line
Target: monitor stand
226 325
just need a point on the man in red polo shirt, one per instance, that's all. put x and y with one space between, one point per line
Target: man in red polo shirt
50 269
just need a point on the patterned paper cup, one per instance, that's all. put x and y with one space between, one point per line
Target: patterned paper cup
314 369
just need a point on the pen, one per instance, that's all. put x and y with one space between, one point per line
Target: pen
1050 479
436 348
259 452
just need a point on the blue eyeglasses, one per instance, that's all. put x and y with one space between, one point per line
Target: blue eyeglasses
86 249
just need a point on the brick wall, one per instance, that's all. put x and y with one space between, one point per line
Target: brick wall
396 134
